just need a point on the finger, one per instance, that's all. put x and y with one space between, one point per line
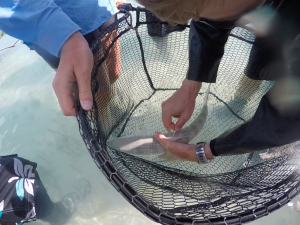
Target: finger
181 121
167 144
167 120
83 77
184 151
62 89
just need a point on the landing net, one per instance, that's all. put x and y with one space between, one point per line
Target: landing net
139 63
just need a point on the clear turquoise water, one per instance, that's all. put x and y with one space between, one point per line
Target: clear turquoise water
32 126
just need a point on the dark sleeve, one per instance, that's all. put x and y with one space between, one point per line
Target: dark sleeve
269 127
206 48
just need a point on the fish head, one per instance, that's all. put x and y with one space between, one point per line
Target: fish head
137 145
129 143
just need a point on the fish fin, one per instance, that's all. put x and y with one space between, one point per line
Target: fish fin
206 94
174 139
169 157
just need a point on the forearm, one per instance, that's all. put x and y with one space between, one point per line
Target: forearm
276 121
191 87
40 22
206 48
267 129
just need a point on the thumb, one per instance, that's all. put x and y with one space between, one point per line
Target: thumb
180 150
85 95
83 78
167 144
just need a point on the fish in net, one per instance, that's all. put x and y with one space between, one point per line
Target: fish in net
138 63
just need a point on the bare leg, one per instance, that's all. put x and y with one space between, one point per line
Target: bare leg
113 60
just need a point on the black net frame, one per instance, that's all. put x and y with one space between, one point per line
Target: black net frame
231 190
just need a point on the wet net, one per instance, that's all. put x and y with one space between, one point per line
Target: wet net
139 63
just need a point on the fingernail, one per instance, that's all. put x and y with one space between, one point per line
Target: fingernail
87 104
156 134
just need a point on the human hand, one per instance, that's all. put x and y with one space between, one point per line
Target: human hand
180 105
260 20
75 65
185 152
120 2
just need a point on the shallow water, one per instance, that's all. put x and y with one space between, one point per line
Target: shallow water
32 126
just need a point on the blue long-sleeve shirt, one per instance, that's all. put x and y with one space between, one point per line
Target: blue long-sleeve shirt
49 23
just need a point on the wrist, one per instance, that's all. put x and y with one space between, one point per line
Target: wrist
192 87
207 151
202 153
76 40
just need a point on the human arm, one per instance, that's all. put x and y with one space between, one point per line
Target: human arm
45 24
207 40
40 22
180 105
268 128
185 152
276 121
75 65
206 48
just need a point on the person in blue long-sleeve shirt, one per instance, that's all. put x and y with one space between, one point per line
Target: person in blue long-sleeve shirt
60 31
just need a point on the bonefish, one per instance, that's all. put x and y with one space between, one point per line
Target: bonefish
149 146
